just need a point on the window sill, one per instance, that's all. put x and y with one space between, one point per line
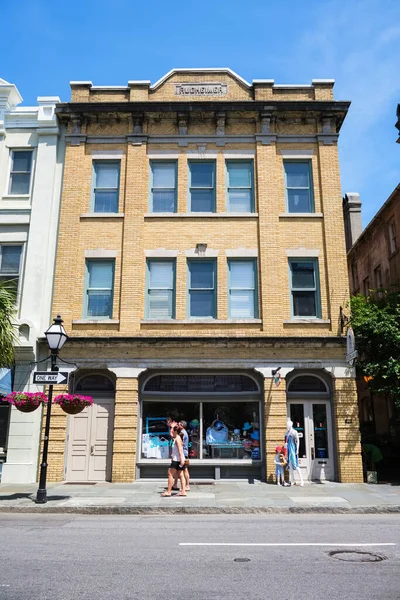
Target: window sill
95 322
102 215
301 215
16 197
393 254
208 215
308 321
199 321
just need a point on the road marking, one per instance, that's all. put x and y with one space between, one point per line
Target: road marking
287 544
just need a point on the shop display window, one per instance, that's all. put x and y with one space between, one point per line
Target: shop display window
231 431
217 430
156 439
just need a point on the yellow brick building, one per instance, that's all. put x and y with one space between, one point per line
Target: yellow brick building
200 272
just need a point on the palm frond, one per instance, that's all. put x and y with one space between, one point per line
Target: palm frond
7 330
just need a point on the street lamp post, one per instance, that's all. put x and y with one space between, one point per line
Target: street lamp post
56 338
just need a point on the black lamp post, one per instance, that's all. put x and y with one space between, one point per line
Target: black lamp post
56 338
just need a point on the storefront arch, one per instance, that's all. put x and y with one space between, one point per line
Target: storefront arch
224 415
90 433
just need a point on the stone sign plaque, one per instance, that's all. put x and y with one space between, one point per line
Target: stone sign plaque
201 89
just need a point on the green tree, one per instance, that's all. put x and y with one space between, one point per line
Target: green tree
7 331
376 323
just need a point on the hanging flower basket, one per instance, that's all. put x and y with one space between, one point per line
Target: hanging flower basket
73 404
26 402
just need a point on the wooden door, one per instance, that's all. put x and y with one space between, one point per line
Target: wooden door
90 441
101 440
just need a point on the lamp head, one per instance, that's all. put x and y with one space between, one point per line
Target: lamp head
55 335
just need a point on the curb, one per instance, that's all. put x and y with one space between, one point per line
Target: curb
203 510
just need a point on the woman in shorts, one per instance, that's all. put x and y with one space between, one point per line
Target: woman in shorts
177 467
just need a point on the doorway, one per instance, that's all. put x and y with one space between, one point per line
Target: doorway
309 407
90 433
312 421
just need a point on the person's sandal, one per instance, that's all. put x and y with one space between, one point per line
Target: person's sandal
166 495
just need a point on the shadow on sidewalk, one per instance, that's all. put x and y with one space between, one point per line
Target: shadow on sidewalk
31 497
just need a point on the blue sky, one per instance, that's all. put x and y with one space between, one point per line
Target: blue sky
47 43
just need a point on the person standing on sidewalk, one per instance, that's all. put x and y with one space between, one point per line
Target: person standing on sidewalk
177 464
185 438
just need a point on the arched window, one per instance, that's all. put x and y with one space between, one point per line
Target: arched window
307 384
201 384
94 383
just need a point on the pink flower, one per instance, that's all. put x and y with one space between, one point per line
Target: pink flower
73 399
21 398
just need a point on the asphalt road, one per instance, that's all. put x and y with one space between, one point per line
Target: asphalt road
60 557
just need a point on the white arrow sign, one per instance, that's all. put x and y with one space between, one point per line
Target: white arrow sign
50 377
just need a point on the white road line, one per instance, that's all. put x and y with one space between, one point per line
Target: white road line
356 545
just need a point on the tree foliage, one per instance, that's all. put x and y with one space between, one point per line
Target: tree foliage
376 323
7 331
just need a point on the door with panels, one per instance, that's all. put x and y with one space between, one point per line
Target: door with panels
90 435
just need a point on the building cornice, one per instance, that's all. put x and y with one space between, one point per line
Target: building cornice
69 108
220 341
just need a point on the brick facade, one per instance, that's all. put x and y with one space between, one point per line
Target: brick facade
142 122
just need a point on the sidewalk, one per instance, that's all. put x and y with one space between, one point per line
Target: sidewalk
232 497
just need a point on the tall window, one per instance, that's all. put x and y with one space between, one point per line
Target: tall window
10 263
105 186
202 186
366 286
99 288
202 288
299 192
354 275
392 237
160 289
21 169
242 289
305 288
163 186
378 277
240 186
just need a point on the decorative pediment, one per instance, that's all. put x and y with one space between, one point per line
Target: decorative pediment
201 84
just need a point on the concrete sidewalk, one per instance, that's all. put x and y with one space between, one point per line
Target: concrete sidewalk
204 498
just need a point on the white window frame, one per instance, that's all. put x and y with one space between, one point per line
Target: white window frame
21 262
10 171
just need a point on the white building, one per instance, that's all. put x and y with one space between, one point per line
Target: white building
31 163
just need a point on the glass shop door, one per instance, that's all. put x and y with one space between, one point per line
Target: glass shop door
312 421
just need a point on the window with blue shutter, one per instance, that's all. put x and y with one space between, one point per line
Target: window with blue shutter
160 302
105 191
240 186
243 303
305 292
163 188
202 289
99 288
202 186
299 187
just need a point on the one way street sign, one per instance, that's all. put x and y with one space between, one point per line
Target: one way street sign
50 377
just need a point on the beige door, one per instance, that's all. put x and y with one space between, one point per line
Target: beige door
90 439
